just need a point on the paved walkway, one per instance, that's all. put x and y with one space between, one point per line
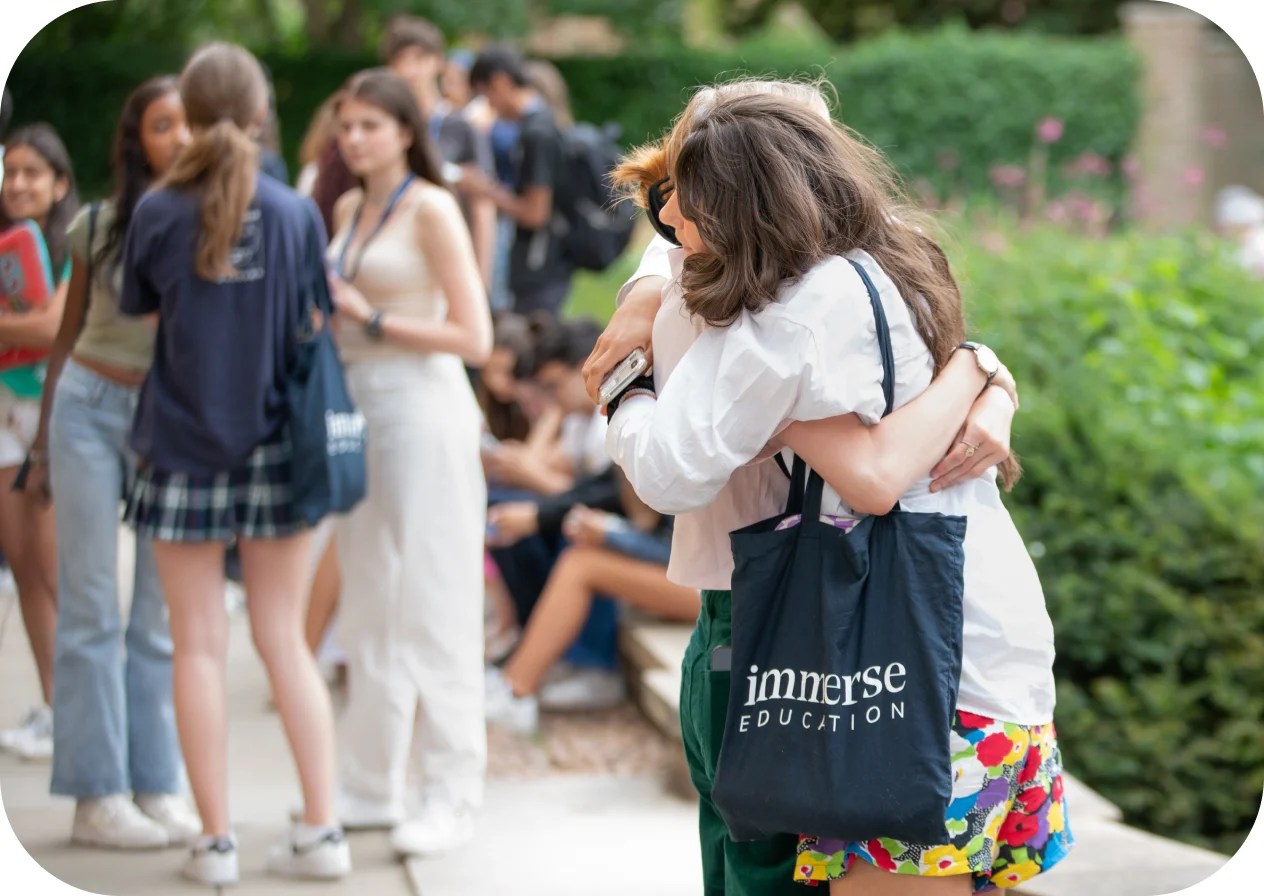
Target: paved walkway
563 814
263 783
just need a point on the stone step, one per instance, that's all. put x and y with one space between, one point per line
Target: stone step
1109 857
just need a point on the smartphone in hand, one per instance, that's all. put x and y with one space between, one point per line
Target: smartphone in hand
624 373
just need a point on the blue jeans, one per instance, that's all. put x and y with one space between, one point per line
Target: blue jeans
525 568
114 728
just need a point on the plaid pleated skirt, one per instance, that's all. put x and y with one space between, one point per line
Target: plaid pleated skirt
252 501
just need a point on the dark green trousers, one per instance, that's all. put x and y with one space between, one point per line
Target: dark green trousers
758 868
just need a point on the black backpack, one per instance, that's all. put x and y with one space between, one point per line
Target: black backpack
597 229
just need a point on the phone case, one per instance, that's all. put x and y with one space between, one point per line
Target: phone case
625 372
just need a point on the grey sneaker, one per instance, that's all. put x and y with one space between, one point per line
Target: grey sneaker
213 861
312 853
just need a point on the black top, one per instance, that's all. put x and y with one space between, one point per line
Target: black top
224 349
537 259
460 144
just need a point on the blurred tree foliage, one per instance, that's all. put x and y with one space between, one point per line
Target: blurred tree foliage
297 25
353 24
849 19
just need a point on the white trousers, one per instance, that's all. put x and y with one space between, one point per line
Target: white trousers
411 613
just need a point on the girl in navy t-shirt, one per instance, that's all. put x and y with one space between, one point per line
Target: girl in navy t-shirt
217 253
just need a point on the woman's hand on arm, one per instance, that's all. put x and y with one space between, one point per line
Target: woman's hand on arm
630 328
872 466
986 430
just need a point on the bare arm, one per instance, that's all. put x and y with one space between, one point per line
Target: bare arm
483 232
63 344
467 331
38 327
872 466
532 209
630 328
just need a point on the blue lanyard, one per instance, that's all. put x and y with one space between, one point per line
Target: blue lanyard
355 223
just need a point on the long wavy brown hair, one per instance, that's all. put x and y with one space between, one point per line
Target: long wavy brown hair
225 97
647 164
775 188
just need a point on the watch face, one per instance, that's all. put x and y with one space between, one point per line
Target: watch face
988 360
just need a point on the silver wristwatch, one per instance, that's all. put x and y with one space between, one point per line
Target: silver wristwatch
985 357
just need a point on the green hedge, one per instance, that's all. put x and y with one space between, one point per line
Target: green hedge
975 96
1142 433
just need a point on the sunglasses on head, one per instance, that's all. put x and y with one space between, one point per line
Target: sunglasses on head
656 197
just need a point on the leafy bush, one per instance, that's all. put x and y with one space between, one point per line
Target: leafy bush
946 106
1142 434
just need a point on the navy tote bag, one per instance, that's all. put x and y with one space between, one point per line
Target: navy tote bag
846 663
327 430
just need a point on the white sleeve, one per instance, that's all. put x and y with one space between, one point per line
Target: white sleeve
734 390
654 263
845 376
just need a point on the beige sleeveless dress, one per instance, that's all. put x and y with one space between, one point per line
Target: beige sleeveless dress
411 615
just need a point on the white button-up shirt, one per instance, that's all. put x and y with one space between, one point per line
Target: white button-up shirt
723 393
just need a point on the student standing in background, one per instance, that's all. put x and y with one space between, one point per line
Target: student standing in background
413 49
224 254
539 272
413 309
116 751
39 186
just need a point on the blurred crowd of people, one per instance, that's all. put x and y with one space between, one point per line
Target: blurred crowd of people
482 576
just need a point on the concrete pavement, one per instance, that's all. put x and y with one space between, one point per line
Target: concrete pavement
263 787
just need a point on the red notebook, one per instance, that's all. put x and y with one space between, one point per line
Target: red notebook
26 281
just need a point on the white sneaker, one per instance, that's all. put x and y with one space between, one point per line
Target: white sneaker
439 829
174 814
355 814
520 715
212 860
584 690
115 822
33 738
318 853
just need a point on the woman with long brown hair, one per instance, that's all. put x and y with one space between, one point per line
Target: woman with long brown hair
39 186
115 747
222 254
772 205
414 312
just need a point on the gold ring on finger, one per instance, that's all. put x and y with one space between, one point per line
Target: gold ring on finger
970 449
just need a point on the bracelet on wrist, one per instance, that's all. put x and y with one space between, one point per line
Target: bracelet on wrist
642 385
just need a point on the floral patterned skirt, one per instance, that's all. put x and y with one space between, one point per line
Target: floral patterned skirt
1007 819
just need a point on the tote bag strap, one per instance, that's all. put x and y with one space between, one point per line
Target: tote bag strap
809 500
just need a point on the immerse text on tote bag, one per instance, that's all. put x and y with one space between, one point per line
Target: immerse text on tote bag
845 668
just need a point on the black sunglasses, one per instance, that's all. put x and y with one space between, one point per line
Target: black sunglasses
656 197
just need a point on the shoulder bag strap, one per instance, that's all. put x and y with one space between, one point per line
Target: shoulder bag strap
811 501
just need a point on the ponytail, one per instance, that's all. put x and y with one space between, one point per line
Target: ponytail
219 166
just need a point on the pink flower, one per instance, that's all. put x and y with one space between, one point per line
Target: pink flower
993 243
1193 176
1056 212
1214 137
1090 164
1008 175
1130 167
1050 130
